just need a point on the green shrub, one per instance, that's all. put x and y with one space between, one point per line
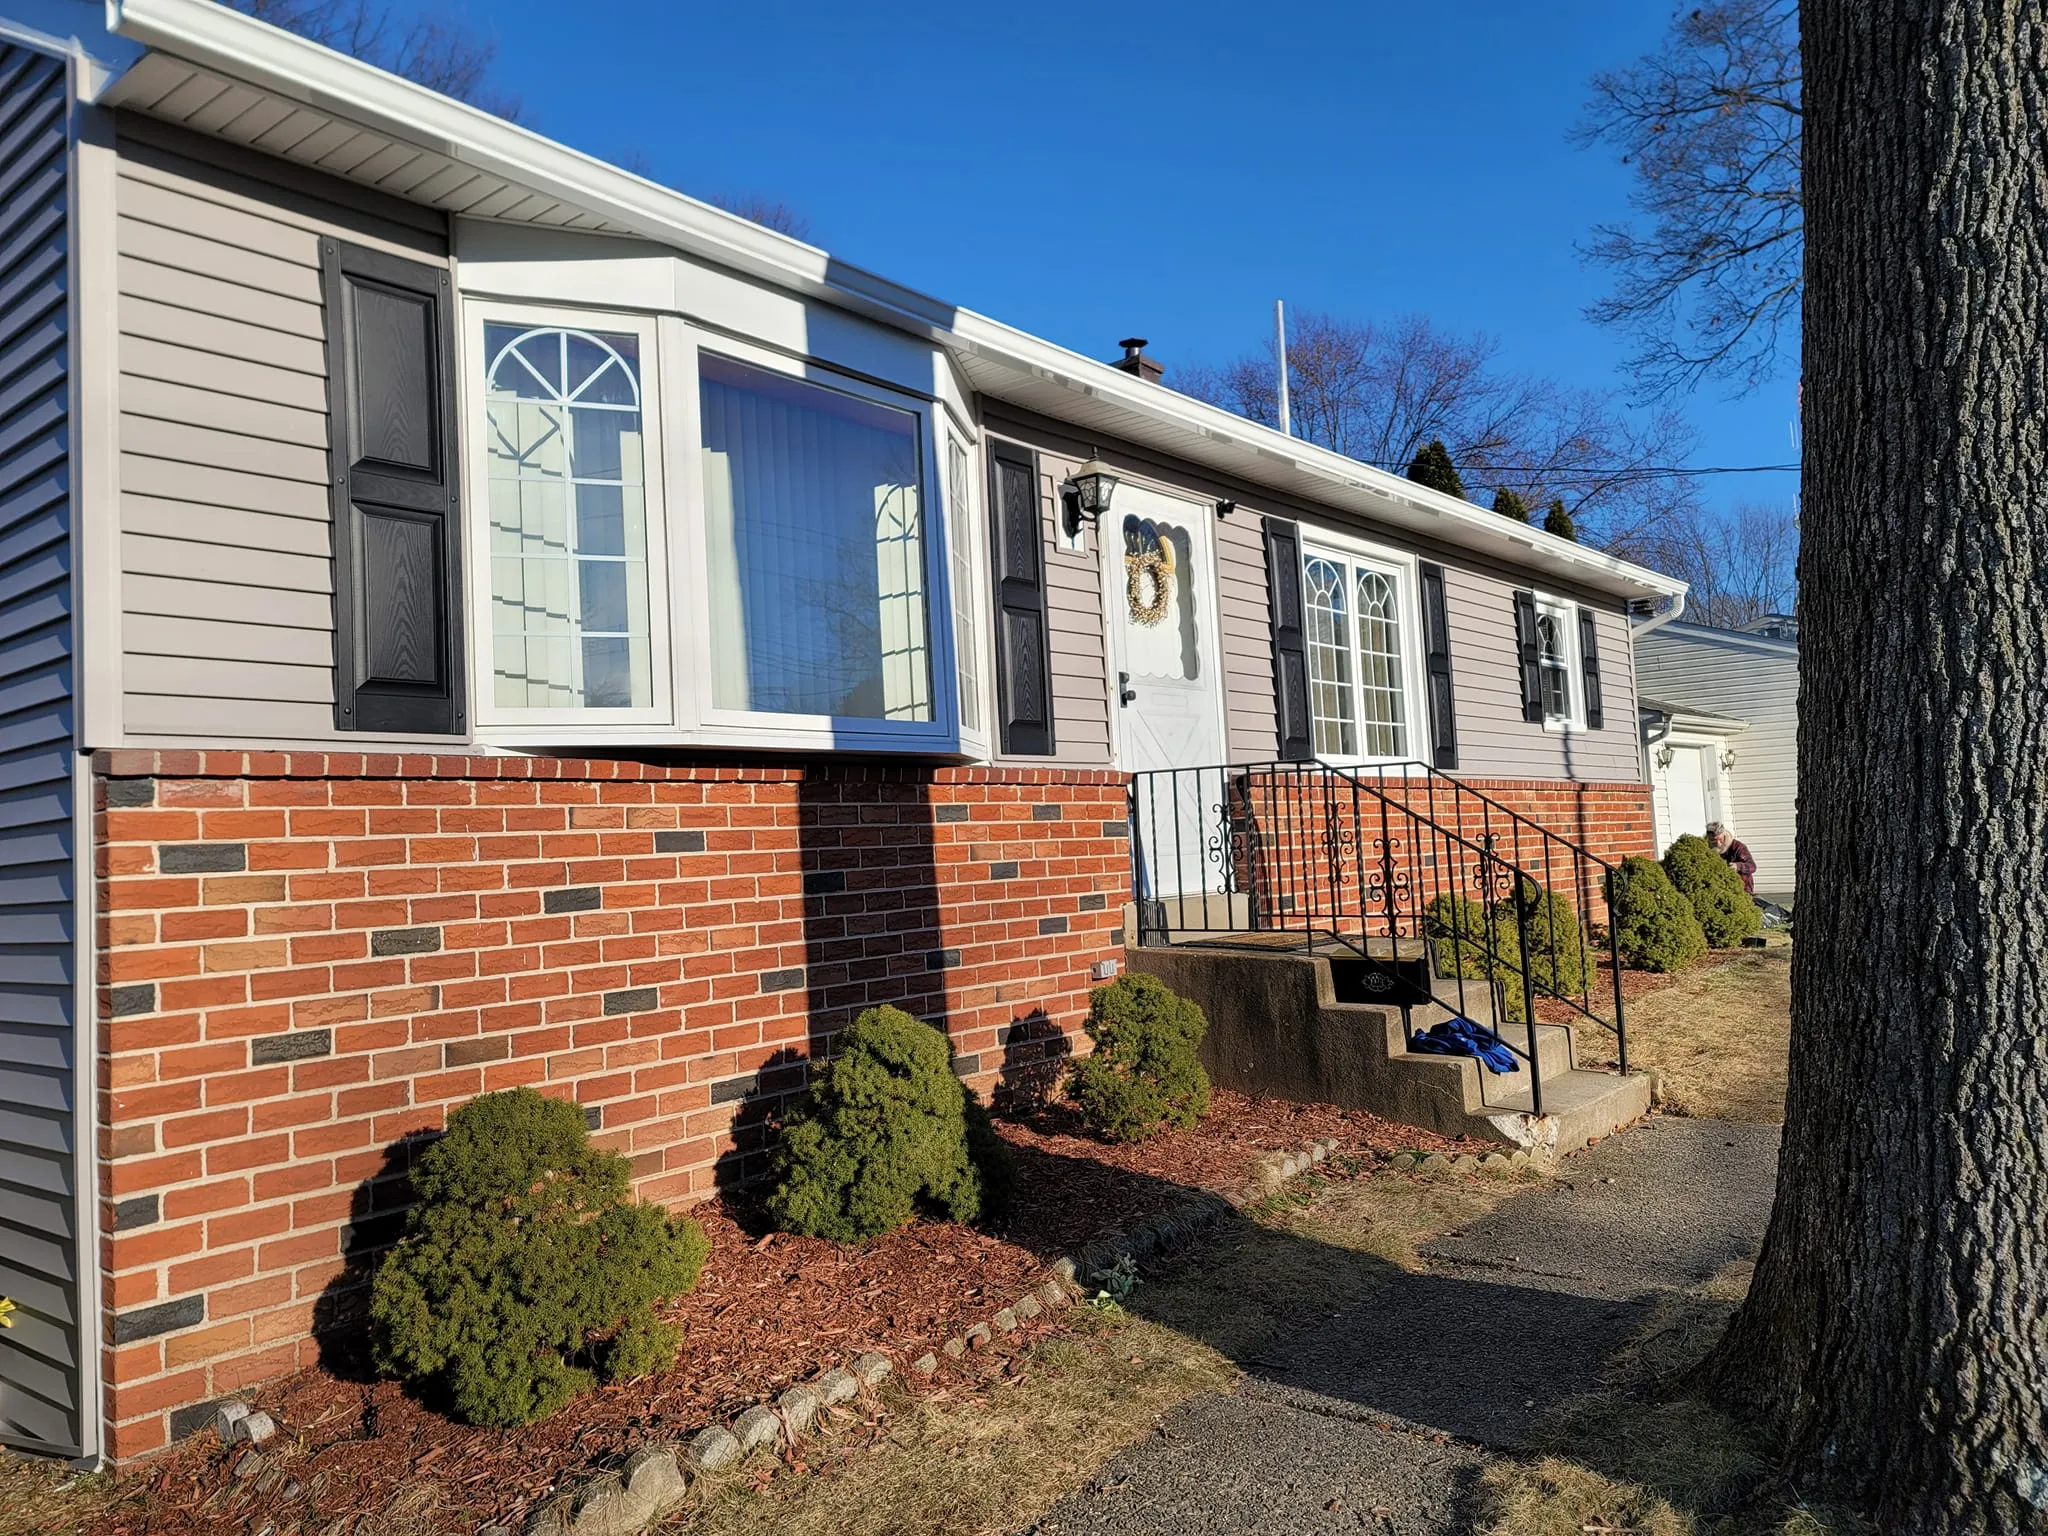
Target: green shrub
1654 928
1557 956
1727 912
1557 944
1456 928
524 1256
1143 1074
887 1129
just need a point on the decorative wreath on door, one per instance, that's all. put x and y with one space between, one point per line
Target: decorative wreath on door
1148 573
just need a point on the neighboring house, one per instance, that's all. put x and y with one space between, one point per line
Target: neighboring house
1720 730
470 616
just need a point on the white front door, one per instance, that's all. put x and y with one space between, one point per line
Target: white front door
1685 789
1159 556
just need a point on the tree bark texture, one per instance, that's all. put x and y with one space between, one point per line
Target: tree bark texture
1897 1330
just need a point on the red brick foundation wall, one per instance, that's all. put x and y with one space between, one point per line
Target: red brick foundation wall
306 960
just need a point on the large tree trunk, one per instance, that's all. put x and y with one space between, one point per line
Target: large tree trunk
1897 1331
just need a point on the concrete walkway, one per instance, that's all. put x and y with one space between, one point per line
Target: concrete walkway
1381 1418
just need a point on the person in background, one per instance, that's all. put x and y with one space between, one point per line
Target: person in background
1725 843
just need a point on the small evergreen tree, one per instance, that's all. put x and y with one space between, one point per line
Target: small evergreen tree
1433 467
1508 504
1558 521
1726 911
1654 927
524 1256
1143 1074
886 1128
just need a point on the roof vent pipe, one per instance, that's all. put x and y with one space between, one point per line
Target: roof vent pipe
1135 361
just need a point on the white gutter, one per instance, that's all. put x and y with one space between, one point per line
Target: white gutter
215 37
1669 613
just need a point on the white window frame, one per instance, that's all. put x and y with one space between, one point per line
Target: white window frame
1567 616
569 724
1403 568
966 528
746 728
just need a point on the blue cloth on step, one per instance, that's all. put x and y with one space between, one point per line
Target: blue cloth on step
1464 1037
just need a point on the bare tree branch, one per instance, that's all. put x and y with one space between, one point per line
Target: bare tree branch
1708 279
1741 566
439 54
1378 393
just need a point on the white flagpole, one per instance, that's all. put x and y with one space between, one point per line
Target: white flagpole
1280 351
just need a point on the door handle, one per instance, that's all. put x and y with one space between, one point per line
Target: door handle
1125 693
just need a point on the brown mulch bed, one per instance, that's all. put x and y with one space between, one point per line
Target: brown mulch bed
770 1310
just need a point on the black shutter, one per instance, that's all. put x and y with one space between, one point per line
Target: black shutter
1589 669
1023 657
1436 642
394 473
1529 658
1290 641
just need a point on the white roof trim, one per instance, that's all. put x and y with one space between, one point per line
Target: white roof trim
213 37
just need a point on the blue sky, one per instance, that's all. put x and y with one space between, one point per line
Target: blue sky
1091 171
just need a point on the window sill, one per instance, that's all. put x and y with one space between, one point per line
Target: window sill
622 736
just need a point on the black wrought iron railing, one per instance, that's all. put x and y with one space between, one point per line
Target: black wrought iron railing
1398 866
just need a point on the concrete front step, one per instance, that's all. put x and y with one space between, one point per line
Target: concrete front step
1277 1029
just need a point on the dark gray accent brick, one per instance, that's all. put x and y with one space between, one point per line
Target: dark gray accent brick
468 1053
164 1317
193 1417
593 1116
1006 870
202 858
632 1000
1116 936
138 998
679 842
941 959
824 882
127 794
575 898
1094 903
142 1211
405 941
782 981
946 813
734 1088
266 1050
1045 813
1052 925
966 1066
1116 829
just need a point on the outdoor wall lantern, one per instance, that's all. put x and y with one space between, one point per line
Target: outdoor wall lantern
1727 759
1226 505
1663 757
1086 495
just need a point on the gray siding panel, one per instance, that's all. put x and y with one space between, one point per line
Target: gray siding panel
1251 724
41 1220
224 505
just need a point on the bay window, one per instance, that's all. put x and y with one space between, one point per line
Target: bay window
1361 652
755 564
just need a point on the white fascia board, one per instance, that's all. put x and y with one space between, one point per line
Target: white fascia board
209 34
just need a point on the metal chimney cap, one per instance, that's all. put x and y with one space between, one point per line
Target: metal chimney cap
1132 345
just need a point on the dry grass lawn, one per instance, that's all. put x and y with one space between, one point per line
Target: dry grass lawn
1719 1033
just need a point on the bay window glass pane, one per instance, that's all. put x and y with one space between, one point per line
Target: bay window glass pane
967 650
570 614
1381 686
1329 659
815 549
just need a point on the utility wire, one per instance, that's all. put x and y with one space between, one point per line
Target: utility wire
1568 471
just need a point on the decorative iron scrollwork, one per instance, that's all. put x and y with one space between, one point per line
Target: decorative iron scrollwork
1388 884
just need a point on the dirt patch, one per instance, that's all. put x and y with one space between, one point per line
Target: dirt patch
1718 1032
771 1309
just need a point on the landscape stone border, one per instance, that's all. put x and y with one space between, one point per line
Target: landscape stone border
656 1478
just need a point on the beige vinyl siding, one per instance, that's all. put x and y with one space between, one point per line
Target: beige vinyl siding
1748 678
226 556
1250 717
1493 739
1073 605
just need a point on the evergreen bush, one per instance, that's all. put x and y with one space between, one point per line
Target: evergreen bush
886 1130
1728 914
1560 522
1432 467
1143 1074
1508 504
524 1258
1653 926
1557 944
1457 928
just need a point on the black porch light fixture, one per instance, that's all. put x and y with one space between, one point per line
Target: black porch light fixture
1086 495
